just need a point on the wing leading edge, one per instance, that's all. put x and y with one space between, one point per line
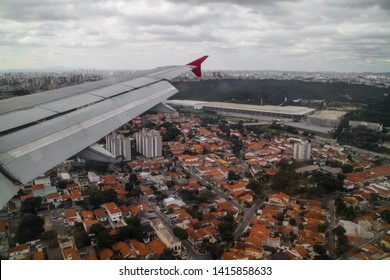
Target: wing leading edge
41 130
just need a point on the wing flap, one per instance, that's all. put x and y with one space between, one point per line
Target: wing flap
35 156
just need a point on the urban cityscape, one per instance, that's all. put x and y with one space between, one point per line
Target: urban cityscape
31 82
210 180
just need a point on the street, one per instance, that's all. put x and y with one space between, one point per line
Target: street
187 245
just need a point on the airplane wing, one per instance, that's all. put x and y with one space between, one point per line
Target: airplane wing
40 130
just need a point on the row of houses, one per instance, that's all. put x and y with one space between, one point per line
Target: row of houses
284 226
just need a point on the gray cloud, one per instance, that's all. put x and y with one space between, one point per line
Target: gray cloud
249 34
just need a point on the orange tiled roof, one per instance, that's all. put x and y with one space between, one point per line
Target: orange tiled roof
90 258
157 246
112 208
70 213
54 195
362 256
37 187
2 225
18 248
39 256
105 254
24 197
71 254
124 249
87 214
301 250
232 256
100 213
142 249
134 210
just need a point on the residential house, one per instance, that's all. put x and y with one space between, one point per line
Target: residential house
105 254
20 252
170 240
125 251
71 254
100 215
72 217
114 214
141 249
157 246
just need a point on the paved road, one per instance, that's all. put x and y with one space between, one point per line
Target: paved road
249 214
332 225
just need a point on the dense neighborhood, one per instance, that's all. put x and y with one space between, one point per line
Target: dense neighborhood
216 190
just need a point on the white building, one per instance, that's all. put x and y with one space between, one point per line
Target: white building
113 211
119 145
302 150
170 240
92 177
149 143
369 125
45 181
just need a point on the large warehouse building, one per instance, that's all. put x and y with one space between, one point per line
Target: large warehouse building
253 111
327 118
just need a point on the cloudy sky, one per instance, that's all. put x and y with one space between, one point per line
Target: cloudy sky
309 35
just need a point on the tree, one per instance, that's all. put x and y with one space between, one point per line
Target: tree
96 229
50 234
322 227
81 239
347 168
110 195
385 215
180 233
30 228
226 228
284 163
133 178
129 186
255 186
31 205
168 255
63 183
292 222
96 198
105 240
206 196
216 250
339 231
233 176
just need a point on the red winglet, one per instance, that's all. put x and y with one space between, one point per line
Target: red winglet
197 63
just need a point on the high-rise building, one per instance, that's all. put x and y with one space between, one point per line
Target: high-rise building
149 143
302 150
119 145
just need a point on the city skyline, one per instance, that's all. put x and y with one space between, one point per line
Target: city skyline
296 35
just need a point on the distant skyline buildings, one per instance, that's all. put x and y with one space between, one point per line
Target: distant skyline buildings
41 81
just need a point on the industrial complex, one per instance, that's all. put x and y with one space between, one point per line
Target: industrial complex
254 111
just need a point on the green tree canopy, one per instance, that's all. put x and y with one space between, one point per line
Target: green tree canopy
30 228
180 233
96 229
105 240
31 205
81 239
